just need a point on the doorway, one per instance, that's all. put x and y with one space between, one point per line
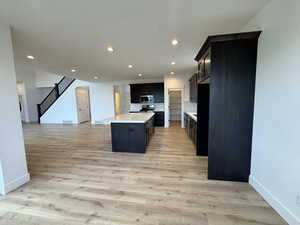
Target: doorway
83 104
117 103
175 108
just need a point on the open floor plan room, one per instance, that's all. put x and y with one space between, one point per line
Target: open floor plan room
161 112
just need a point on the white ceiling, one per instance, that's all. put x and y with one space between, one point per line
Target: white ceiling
63 34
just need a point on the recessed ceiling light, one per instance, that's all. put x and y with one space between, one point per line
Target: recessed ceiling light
173 63
172 73
140 74
174 42
130 66
96 77
30 57
110 49
73 70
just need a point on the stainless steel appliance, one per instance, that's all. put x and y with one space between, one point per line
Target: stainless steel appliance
147 99
147 108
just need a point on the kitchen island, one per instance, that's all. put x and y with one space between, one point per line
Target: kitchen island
131 132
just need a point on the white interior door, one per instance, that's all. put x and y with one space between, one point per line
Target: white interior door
83 104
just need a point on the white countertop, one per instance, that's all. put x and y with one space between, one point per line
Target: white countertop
191 114
131 118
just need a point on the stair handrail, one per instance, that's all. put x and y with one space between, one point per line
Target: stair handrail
58 93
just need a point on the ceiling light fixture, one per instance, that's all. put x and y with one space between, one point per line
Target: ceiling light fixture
172 73
140 74
96 77
174 42
110 49
30 57
73 70
173 63
130 66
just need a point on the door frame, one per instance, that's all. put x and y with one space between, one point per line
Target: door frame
89 98
167 102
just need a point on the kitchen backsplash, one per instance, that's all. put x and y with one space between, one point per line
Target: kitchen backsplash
138 107
190 106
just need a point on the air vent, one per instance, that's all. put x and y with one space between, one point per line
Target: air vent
67 121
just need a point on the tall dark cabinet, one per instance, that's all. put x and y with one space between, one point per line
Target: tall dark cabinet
202 119
232 71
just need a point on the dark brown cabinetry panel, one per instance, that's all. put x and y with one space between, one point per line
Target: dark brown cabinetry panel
193 88
231 66
131 137
159 119
202 119
190 128
155 89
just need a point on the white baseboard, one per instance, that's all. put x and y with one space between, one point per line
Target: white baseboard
16 183
282 210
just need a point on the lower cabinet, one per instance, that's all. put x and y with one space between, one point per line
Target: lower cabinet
131 137
190 128
149 130
159 119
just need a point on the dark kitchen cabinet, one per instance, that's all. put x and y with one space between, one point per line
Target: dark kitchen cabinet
135 93
132 137
159 119
203 119
231 66
193 88
149 130
204 66
191 128
155 89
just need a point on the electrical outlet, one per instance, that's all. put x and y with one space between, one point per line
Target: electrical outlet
298 200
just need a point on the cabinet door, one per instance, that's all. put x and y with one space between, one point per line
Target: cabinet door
158 92
203 119
135 93
159 119
136 138
193 88
207 63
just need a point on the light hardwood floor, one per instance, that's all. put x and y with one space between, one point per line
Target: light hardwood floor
76 179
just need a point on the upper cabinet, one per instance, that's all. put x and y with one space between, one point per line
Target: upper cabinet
155 89
193 88
204 65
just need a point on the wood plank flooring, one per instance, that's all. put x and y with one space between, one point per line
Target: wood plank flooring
76 179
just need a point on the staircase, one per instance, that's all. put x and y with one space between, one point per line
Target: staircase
54 94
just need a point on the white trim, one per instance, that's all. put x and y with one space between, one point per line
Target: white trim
2 186
167 112
274 202
16 183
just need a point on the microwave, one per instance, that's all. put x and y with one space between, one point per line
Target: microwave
146 99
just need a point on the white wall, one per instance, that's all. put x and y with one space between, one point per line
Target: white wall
102 101
45 79
26 74
22 93
38 84
276 150
124 90
64 110
178 82
13 167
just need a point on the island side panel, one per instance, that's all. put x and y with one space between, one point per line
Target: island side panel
128 137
